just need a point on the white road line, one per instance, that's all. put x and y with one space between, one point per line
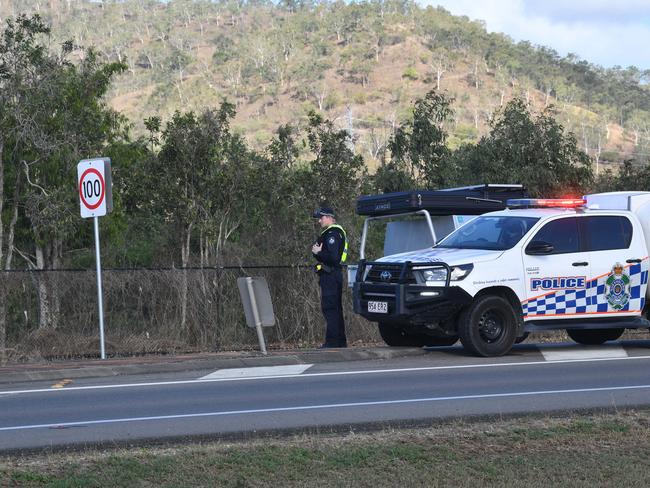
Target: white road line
312 375
258 372
325 406
586 352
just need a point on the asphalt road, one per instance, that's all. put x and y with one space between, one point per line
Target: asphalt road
444 383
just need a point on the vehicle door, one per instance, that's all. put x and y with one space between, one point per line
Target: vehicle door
556 271
619 265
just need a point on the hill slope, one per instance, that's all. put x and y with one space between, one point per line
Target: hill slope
361 64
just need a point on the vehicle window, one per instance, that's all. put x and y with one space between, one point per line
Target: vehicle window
562 234
607 232
491 233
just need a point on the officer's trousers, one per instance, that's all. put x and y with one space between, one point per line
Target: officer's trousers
331 299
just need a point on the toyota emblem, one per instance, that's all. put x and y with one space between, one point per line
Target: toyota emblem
385 276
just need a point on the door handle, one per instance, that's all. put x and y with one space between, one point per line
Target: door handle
581 263
633 260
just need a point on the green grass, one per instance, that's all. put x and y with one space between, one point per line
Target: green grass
580 451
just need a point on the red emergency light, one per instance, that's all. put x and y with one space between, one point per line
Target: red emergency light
547 202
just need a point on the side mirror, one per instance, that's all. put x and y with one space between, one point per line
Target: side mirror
537 248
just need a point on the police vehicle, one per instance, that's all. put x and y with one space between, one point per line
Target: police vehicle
536 265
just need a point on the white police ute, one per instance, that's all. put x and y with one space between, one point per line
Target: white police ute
539 264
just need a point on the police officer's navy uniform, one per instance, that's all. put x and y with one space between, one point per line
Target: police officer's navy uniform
330 278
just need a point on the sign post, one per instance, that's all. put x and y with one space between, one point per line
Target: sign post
96 199
258 308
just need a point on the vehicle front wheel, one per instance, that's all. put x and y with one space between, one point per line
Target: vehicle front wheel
488 327
594 337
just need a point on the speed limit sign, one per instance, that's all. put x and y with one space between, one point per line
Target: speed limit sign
96 198
95 189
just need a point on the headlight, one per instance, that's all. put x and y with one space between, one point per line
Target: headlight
436 274
440 274
460 272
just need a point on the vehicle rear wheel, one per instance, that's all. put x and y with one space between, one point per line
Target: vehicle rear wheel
594 337
488 327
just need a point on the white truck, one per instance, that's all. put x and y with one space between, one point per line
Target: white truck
537 265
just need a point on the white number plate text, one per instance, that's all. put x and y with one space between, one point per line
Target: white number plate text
378 307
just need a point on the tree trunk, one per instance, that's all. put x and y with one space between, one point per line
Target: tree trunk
56 263
2 200
3 293
3 322
12 223
185 258
48 259
42 289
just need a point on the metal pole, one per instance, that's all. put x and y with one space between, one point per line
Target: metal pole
364 235
430 224
99 288
256 314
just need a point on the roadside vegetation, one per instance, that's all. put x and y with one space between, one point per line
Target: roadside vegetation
197 204
568 450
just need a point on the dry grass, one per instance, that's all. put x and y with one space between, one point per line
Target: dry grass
143 313
596 450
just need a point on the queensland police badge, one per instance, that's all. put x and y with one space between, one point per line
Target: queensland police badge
617 287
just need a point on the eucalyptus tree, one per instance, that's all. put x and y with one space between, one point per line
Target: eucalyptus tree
533 149
336 171
55 115
19 51
418 147
195 185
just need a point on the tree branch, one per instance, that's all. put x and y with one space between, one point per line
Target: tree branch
30 181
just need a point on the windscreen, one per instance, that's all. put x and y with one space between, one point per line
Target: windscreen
490 233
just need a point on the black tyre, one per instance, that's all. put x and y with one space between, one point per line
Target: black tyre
488 327
594 337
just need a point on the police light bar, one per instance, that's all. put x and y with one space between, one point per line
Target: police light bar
547 202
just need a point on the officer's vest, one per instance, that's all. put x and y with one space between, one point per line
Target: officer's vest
344 255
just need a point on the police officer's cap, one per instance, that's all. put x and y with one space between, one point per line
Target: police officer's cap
324 212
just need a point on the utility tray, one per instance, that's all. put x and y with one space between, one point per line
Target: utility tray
468 200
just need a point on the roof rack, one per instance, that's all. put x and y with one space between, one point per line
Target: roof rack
468 200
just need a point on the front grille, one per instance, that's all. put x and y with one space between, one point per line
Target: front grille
389 273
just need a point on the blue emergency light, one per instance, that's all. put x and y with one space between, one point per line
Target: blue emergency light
546 202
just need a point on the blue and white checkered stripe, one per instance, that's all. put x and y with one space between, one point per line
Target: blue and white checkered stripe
589 300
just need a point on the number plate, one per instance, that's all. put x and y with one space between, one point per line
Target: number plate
378 307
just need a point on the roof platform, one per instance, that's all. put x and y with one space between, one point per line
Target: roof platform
466 200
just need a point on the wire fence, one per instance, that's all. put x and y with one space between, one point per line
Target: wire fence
53 314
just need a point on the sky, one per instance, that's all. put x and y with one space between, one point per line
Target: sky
603 32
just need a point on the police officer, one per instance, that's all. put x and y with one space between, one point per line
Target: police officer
331 250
